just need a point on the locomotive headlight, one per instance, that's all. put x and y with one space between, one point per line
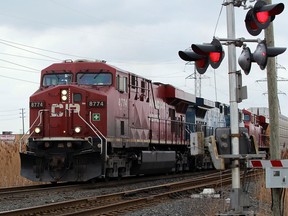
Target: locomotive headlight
64 98
37 130
64 94
77 129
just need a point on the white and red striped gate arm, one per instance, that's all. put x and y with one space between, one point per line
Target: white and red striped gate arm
262 164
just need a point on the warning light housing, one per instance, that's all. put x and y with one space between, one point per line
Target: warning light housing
261 15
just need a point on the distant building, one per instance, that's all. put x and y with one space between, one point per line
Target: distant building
7 136
6 132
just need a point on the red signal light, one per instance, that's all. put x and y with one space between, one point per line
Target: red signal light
215 56
201 61
253 26
262 17
213 51
204 55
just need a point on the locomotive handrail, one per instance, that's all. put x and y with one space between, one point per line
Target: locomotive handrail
97 132
203 128
39 116
176 121
182 124
152 117
187 129
89 125
99 137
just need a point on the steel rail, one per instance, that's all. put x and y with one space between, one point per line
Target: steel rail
123 201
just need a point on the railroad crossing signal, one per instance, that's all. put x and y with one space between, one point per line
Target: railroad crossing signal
260 16
213 51
204 54
257 19
201 61
260 56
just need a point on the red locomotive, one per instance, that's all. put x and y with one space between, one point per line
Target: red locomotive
90 119
256 120
252 123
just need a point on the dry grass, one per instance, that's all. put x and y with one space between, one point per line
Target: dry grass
10 166
263 194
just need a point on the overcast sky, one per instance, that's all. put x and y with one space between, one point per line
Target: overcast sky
143 37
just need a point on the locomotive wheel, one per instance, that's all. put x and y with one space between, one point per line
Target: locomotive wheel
121 172
108 173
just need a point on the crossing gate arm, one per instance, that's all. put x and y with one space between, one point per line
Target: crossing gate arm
263 164
276 172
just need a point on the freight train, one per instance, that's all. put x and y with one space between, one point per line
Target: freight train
89 119
256 120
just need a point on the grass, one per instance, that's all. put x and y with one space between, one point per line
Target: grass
10 166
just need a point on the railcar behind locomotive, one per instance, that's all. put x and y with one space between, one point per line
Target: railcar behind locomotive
256 119
91 119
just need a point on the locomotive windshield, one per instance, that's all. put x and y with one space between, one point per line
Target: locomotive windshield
57 79
247 117
94 78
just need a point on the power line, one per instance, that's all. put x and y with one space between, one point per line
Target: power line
30 51
28 71
26 57
6 42
18 79
18 64
216 26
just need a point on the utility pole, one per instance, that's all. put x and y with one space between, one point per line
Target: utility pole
276 193
22 117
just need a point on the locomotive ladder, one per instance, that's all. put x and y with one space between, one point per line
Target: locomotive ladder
103 140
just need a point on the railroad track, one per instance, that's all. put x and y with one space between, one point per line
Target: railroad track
34 190
11 191
119 203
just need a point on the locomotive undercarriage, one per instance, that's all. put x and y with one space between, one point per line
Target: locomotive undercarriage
53 161
60 160
154 159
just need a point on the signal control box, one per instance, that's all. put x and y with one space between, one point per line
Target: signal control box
276 177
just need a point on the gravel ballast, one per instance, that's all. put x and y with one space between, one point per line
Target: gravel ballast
184 205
